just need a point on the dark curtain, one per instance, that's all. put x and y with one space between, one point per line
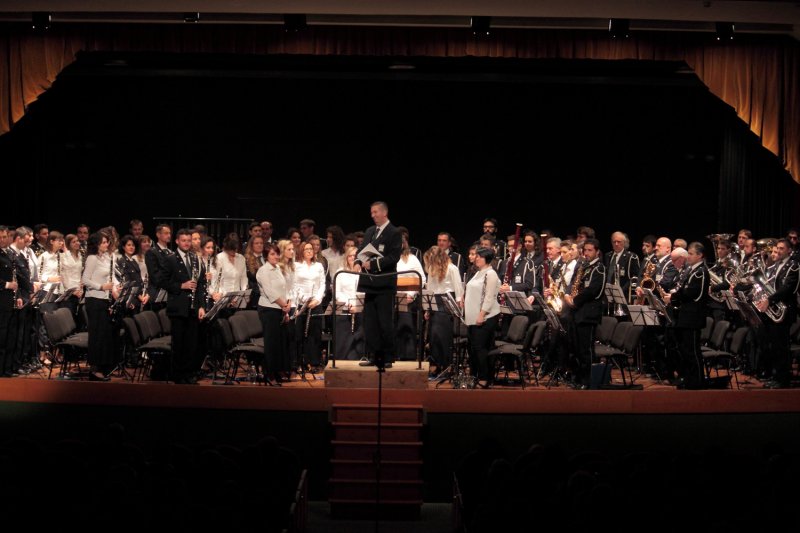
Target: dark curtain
758 76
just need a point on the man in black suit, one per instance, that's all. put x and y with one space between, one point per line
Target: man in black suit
784 276
8 287
379 292
183 278
687 300
587 308
621 264
445 242
155 259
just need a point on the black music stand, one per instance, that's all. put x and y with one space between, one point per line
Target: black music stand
658 305
556 326
749 313
731 301
66 294
518 302
616 298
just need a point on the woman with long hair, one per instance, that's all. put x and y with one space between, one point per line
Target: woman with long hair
273 309
334 253
129 268
349 333
254 259
443 278
71 270
286 265
406 325
101 286
309 290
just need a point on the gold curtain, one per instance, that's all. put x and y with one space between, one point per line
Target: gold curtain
758 76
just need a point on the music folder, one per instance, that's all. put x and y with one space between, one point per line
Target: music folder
369 252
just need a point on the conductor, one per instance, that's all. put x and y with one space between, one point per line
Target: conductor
379 291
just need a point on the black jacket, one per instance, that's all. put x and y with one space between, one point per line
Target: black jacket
522 274
627 267
666 274
179 301
690 298
389 244
590 301
786 284
156 261
6 276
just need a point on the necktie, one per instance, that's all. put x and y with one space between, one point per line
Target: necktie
188 263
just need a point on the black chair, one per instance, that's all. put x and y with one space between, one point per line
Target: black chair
513 355
712 359
606 329
716 341
244 346
67 345
619 355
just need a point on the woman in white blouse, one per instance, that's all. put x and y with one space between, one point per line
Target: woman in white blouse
231 271
349 334
309 288
273 310
71 270
406 325
334 253
286 265
443 278
481 312
101 285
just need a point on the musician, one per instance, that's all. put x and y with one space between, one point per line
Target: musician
50 264
784 277
583 233
791 236
307 228
197 241
748 250
490 227
266 231
309 290
136 228
406 324
379 293
71 270
445 241
350 241
156 263
229 271
569 258
471 268
294 235
687 300
82 231
725 260
523 273
8 304
273 310
253 230
316 242
254 259
741 239
40 243
130 269
102 285
666 274
481 313
27 278
553 260
622 265
184 280
334 252
532 251
286 263
349 334
586 301
648 251
359 235
443 278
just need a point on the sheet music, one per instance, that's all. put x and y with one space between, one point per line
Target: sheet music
369 252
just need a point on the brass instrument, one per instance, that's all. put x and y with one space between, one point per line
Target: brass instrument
762 290
577 284
647 281
556 300
715 280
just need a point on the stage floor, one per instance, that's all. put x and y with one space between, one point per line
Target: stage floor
312 395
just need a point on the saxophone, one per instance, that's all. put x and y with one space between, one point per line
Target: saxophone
577 284
556 301
647 281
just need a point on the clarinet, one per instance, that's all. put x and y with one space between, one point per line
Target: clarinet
308 322
14 277
195 275
111 301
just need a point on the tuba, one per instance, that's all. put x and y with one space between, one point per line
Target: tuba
762 290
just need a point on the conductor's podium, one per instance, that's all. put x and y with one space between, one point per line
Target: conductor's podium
402 375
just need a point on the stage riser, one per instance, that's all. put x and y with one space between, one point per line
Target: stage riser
371 433
366 470
390 414
402 375
365 490
365 510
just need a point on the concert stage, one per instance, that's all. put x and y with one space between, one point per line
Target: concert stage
455 421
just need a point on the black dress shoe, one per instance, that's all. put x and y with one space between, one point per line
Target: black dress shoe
96 376
387 365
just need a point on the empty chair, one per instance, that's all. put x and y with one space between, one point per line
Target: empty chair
606 329
712 359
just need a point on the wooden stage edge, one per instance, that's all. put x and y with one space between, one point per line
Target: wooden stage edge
305 397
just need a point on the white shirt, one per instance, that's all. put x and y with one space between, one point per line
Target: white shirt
346 288
309 281
50 267
230 276
96 274
334 258
142 269
450 283
476 299
411 263
289 277
71 269
271 284
569 270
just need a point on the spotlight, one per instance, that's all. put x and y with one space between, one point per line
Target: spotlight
191 17
619 28
725 31
480 25
294 23
40 20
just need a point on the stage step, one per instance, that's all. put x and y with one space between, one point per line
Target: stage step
364 489
365 469
367 431
365 509
402 375
353 484
396 414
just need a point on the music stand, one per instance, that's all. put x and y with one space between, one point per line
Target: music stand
161 296
218 306
658 305
749 312
615 296
518 302
642 315
66 294
731 301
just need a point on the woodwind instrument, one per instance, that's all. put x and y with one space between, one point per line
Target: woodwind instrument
194 274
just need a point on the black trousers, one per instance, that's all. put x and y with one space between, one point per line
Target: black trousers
585 334
480 342
7 341
440 335
309 346
379 326
690 362
775 347
101 339
406 336
349 337
274 339
184 346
